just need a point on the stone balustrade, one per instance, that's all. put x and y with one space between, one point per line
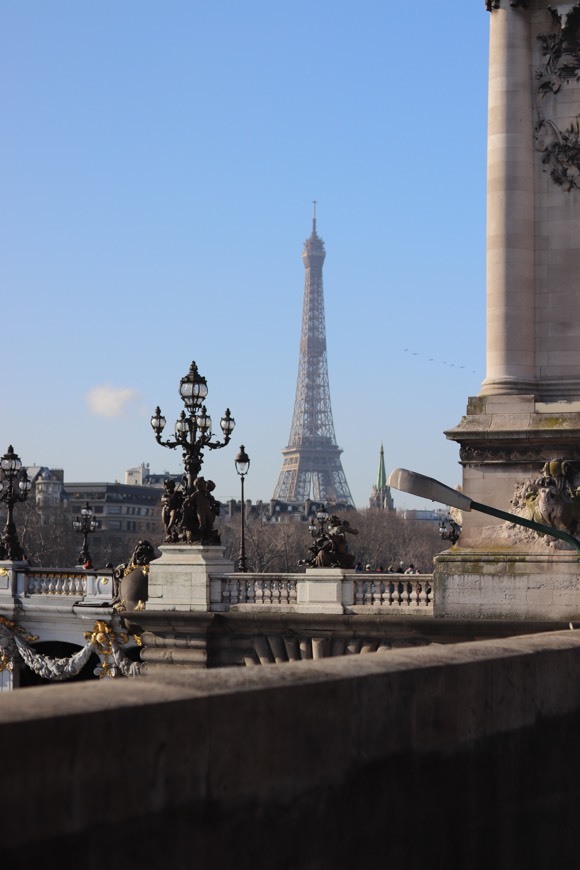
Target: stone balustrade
79 584
257 589
55 583
350 592
316 589
394 591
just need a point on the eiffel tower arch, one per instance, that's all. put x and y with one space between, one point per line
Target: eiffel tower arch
311 468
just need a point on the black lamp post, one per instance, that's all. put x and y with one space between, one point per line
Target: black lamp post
242 463
14 486
85 524
193 429
315 528
321 516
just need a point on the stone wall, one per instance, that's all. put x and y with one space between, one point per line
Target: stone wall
458 756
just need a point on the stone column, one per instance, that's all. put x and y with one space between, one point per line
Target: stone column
510 206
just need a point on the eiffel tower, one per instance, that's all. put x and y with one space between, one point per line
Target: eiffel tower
312 468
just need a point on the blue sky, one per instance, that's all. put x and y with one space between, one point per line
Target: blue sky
159 161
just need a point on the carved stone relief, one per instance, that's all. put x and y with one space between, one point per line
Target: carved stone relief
552 499
559 67
481 455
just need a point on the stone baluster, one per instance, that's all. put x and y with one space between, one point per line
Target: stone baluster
224 595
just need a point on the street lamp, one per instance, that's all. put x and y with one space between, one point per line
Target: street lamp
317 531
427 487
14 486
192 433
85 524
242 463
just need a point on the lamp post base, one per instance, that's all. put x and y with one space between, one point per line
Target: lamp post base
181 578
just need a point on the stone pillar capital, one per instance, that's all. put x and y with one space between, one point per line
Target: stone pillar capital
490 5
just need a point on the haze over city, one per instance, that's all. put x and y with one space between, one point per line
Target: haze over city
159 167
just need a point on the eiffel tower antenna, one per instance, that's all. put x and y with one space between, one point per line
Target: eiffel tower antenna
311 468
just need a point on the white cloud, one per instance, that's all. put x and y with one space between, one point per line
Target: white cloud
109 401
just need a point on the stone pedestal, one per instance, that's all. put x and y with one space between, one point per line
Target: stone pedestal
321 591
181 578
504 441
500 570
514 586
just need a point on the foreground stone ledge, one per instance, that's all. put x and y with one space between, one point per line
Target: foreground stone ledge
77 758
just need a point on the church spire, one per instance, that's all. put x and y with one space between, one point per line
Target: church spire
382 474
381 498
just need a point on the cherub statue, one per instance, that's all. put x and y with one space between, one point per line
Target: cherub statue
171 510
330 549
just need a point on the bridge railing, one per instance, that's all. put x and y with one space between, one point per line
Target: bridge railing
349 592
22 581
317 590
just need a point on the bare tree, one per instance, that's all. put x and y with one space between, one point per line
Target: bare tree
385 539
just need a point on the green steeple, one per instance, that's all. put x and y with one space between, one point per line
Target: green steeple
382 475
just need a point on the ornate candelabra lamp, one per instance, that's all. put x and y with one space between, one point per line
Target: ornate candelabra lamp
85 524
14 486
189 510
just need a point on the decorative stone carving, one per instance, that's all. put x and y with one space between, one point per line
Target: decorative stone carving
560 51
564 13
14 643
132 581
471 454
552 499
560 151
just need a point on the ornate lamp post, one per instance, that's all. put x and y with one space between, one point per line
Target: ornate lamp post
321 516
14 486
187 511
242 463
85 524
316 528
